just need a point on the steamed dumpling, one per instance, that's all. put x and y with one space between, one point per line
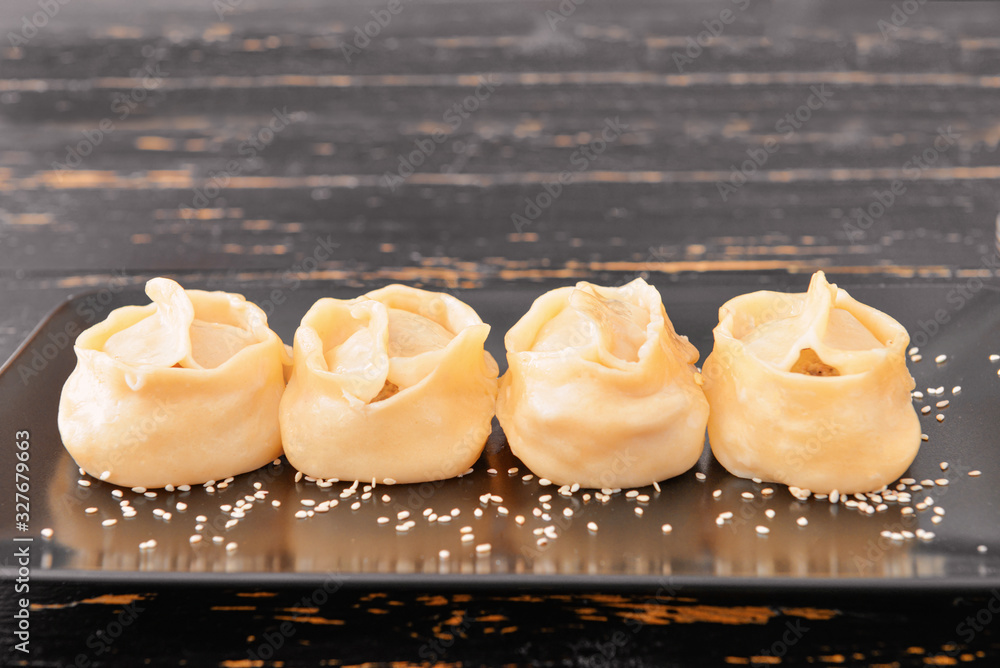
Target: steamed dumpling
394 385
181 391
811 390
601 391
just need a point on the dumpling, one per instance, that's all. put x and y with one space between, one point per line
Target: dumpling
394 385
600 390
811 390
180 391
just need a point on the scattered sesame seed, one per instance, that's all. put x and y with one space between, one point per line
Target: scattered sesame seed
642 498
943 403
941 482
567 512
47 533
483 548
717 493
916 358
762 530
913 351
719 521
941 359
496 498
638 511
527 477
575 487
402 514
91 510
925 410
109 523
994 358
544 482
181 506
519 519
939 417
917 394
184 488
478 512
747 495
769 513
631 494
355 505
700 476
726 515
512 470
444 554
981 549
924 437
937 519
231 523
938 510
298 476
201 518
231 547
956 390
975 473
666 528
139 490
656 486
944 466
468 538
491 471
802 521
195 538
455 512
301 514
150 495
104 475
592 527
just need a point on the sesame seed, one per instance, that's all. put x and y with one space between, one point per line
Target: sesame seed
91 510
491 471
937 519
405 526
747 495
139 490
994 358
719 521
917 394
109 523
542 542
941 482
483 548
455 512
47 533
913 351
402 514
938 510
924 437
444 554
567 512
150 495
941 359
631 494
981 549
276 504
307 502
366 496
638 511
527 477
575 487
201 518
769 513
916 358
762 530
512 470
496 498
184 488
700 476
939 417
231 547
956 390
148 545
975 473
943 403
519 519
717 493
195 538
298 476
181 506
231 523
468 538
544 498
642 498
117 493
355 505
907 511
944 466
802 521
544 482
925 410
592 527
217 540
478 512
726 515
666 528
158 511
301 514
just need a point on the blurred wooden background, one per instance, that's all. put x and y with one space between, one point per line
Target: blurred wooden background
136 139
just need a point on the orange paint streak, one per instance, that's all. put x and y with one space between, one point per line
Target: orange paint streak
319 621
257 594
233 608
810 613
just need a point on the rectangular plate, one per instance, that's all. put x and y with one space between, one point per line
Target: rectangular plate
841 549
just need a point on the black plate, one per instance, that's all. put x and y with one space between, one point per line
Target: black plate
840 549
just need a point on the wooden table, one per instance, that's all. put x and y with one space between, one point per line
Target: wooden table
254 143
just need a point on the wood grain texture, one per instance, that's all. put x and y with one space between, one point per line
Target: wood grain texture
140 140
